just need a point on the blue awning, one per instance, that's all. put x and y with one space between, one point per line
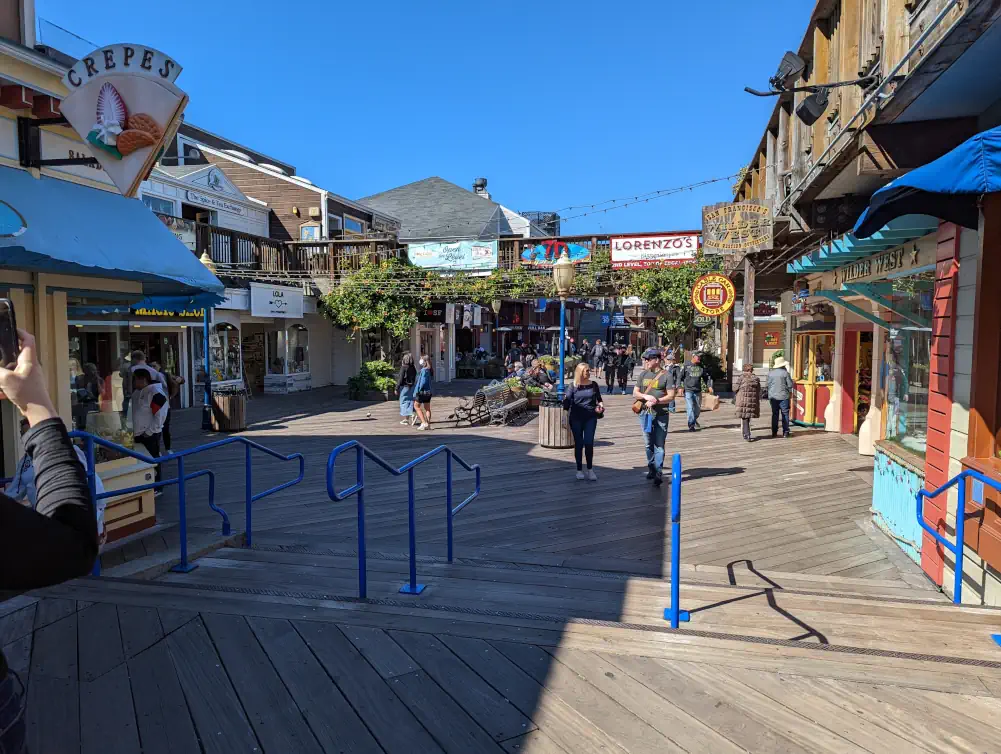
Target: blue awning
948 188
72 229
848 248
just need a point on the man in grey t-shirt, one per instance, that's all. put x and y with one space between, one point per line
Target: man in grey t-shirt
655 387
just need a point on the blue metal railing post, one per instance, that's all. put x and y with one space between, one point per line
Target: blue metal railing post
957 585
92 486
362 563
184 566
250 497
674 613
448 500
413 587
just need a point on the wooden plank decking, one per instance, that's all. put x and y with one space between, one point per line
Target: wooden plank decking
809 631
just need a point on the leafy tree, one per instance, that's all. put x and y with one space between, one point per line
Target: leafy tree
375 296
668 290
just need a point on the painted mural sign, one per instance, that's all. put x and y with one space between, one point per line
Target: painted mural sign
731 227
546 253
713 294
639 252
124 104
469 256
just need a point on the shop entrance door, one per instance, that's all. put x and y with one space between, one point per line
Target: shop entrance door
163 348
426 347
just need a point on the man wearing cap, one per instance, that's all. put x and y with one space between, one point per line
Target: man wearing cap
672 366
653 387
692 377
780 387
149 410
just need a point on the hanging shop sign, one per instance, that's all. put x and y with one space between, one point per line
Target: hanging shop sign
546 253
713 294
731 227
639 252
276 301
461 255
703 320
434 313
772 339
124 104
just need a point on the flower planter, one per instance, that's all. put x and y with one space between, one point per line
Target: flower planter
534 400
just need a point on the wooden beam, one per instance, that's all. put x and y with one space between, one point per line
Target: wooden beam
748 342
890 150
45 106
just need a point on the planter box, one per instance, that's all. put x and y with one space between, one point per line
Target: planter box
373 395
534 401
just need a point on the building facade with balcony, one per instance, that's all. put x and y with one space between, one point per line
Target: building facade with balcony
893 329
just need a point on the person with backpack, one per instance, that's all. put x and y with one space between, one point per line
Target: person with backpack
405 387
598 356
692 378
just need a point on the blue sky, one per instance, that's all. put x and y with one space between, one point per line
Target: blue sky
555 102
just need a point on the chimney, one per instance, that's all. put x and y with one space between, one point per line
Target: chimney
480 188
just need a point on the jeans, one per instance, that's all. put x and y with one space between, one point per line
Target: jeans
583 439
693 404
12 728
780 406
655 440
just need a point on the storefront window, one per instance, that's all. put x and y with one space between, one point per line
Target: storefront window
276 352
298 349
907 362
98 383
224 352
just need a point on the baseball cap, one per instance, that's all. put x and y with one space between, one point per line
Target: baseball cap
651 353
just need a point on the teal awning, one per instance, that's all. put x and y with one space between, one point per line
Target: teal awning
51 225
848 248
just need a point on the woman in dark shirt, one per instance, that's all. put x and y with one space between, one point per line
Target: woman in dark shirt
58 539
583 399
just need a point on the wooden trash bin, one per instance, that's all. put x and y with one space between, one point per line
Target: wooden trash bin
229 412
554 425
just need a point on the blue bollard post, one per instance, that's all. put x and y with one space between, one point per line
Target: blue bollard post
184 566
362 574
674 613
250 497
413 587
92 486
448 499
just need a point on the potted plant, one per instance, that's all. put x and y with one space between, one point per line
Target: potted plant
534 395
373 383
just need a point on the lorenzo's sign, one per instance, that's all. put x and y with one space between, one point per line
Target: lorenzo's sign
713 294
653 251
124 104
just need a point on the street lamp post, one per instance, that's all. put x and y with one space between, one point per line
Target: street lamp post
496 306
563 275
207 392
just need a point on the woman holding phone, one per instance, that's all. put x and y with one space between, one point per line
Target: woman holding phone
583 399
55 541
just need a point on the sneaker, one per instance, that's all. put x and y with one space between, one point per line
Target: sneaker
658 480
691 427
580 475
591 476
405 422
651 474
698 426
423 427
786 436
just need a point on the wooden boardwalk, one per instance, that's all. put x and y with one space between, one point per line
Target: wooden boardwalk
809 631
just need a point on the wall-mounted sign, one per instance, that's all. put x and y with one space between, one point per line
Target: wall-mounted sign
56 146
713 294
738 226
546 253
309 232
183 230
606 319
275 301
434 313
123 102
461 255
214 202
162 313
639 252
772 339
878 266
765 309
703 320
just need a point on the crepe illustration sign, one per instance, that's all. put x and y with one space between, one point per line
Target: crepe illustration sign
124 104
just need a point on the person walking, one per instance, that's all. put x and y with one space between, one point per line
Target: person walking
422 394
149 411
50 542
747 399
780 387
598 356
625 368
585 351
655 388
583 400
611 367
692 378
405 387
173 386
671 365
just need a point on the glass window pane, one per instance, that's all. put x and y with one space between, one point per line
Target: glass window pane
156 204
276 353
298 349
823 350
99 384
353 225
224 352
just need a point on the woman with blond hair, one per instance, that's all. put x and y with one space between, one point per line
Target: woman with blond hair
583 400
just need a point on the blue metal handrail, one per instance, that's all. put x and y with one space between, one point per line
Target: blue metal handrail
184 567
674 613
412 587
957 548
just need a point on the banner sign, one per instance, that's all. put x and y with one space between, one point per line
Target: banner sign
275 301
546 253
713 294
739 226
461 255
639 252
124 104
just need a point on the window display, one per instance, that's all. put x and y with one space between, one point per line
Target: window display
224 352
99 383
298 349
907 362
276 352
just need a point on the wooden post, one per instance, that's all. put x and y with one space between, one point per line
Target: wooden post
782 156
748 351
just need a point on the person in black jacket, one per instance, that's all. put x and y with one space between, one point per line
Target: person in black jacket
583 400
611 368
57 540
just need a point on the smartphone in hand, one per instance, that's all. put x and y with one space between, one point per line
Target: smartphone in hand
10 346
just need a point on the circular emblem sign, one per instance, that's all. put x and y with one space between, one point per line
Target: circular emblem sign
713 294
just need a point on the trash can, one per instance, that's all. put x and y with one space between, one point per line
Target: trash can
229 411
554 424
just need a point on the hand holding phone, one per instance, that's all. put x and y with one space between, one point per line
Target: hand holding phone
25 386
9 346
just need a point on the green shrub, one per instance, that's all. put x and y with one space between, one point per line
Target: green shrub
533 390
375 369
549 362
374 376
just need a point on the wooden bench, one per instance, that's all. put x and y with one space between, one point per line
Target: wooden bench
472 412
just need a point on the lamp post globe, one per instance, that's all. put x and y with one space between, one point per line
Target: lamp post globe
563 276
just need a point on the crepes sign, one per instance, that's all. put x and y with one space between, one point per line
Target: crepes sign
124 104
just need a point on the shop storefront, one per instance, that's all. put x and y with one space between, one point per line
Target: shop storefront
813 356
